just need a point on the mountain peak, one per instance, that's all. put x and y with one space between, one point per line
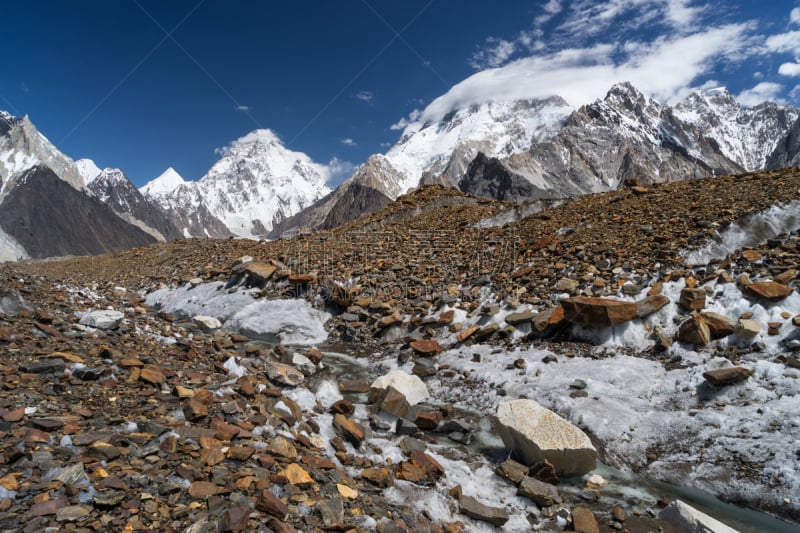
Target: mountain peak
88 170
264 135
164 184
626 94
257 141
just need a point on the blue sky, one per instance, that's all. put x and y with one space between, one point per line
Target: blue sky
143 85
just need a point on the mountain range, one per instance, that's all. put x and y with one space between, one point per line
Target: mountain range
527 149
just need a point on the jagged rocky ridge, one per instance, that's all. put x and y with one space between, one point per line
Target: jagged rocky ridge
114 189
547 149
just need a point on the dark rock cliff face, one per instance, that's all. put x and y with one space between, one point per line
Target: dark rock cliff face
50 218
362 201
116 191
787 153
487 177
7 122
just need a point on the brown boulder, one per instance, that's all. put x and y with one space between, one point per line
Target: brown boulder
720 326
694 331
583 520
692 299
770 291
598 312
260 272
348 430
727 376
427 348
381 477
553 317
650 305
270 504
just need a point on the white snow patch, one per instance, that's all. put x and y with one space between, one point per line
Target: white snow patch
10 249
286 321
768 224
235 370
328 393
205 299
635 404
87 169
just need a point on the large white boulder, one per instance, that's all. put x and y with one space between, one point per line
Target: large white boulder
536 434
410 386
690 520
207 323
103 319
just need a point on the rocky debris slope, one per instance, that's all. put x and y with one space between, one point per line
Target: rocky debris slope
480 313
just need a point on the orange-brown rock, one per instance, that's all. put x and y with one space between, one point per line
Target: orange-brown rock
598 312
692 298
770 291
427 348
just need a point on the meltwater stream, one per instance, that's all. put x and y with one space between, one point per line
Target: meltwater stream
626 489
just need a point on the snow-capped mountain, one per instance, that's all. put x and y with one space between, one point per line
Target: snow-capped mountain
744 135
366 191
22 147
523 149
51 205
168 181
441 151
257 183
88 170
628 136
787 152
114 189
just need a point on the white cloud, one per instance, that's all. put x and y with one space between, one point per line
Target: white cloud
789 69
784 42
665 68
764 91
665 48
682 15
403 122
591 18
364 96
794 16
339 169
349 142
551 9
242 108
494 55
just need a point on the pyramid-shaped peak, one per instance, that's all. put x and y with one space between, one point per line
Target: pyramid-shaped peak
168 181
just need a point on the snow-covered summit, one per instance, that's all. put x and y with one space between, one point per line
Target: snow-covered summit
256 183
22 147
168 181
746 135
495 128
88 170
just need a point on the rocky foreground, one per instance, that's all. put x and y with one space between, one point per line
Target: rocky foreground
124 407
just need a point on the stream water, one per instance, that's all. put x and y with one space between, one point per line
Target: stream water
626 489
